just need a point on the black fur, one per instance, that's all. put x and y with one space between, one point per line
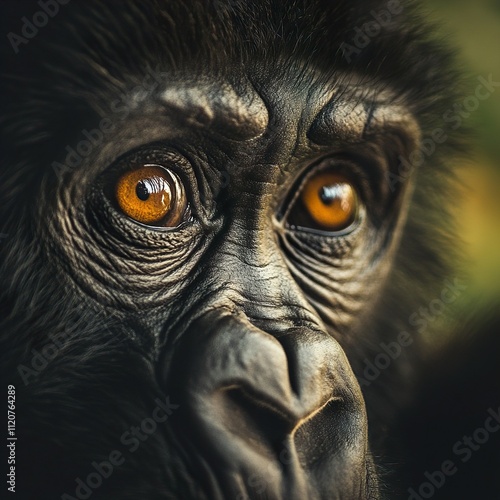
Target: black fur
104 378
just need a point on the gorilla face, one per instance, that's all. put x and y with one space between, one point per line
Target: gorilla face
200 241
244 291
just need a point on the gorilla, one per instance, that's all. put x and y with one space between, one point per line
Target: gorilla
219 220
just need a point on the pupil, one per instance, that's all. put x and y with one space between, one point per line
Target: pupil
142 191
328 194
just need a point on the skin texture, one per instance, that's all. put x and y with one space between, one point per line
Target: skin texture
249 329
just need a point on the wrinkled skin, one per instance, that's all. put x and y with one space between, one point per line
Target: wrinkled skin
248 327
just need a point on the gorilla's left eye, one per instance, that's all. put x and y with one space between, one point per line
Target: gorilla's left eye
328 201
152 195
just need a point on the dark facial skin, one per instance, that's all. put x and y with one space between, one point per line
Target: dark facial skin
244 313
251 354
247 341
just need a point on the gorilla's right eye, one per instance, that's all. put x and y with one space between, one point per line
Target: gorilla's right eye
152 195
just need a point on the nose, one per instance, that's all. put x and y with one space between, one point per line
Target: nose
263 407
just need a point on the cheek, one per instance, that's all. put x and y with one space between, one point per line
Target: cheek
341 280
115 263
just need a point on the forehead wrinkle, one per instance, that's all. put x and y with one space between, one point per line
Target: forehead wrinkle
237 113
343 118
350 114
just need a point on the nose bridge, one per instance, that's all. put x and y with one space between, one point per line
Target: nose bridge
251 199
246 264
245 256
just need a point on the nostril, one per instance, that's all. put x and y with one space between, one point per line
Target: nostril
323 433
257 418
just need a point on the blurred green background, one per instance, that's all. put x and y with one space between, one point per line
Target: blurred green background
473 26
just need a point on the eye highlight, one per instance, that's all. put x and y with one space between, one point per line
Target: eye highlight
328 201
152 195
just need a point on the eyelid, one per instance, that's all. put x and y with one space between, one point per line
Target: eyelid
187 166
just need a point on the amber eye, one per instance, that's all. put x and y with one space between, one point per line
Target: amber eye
329 202
152 195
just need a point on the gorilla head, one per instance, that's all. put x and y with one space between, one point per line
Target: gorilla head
204 202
